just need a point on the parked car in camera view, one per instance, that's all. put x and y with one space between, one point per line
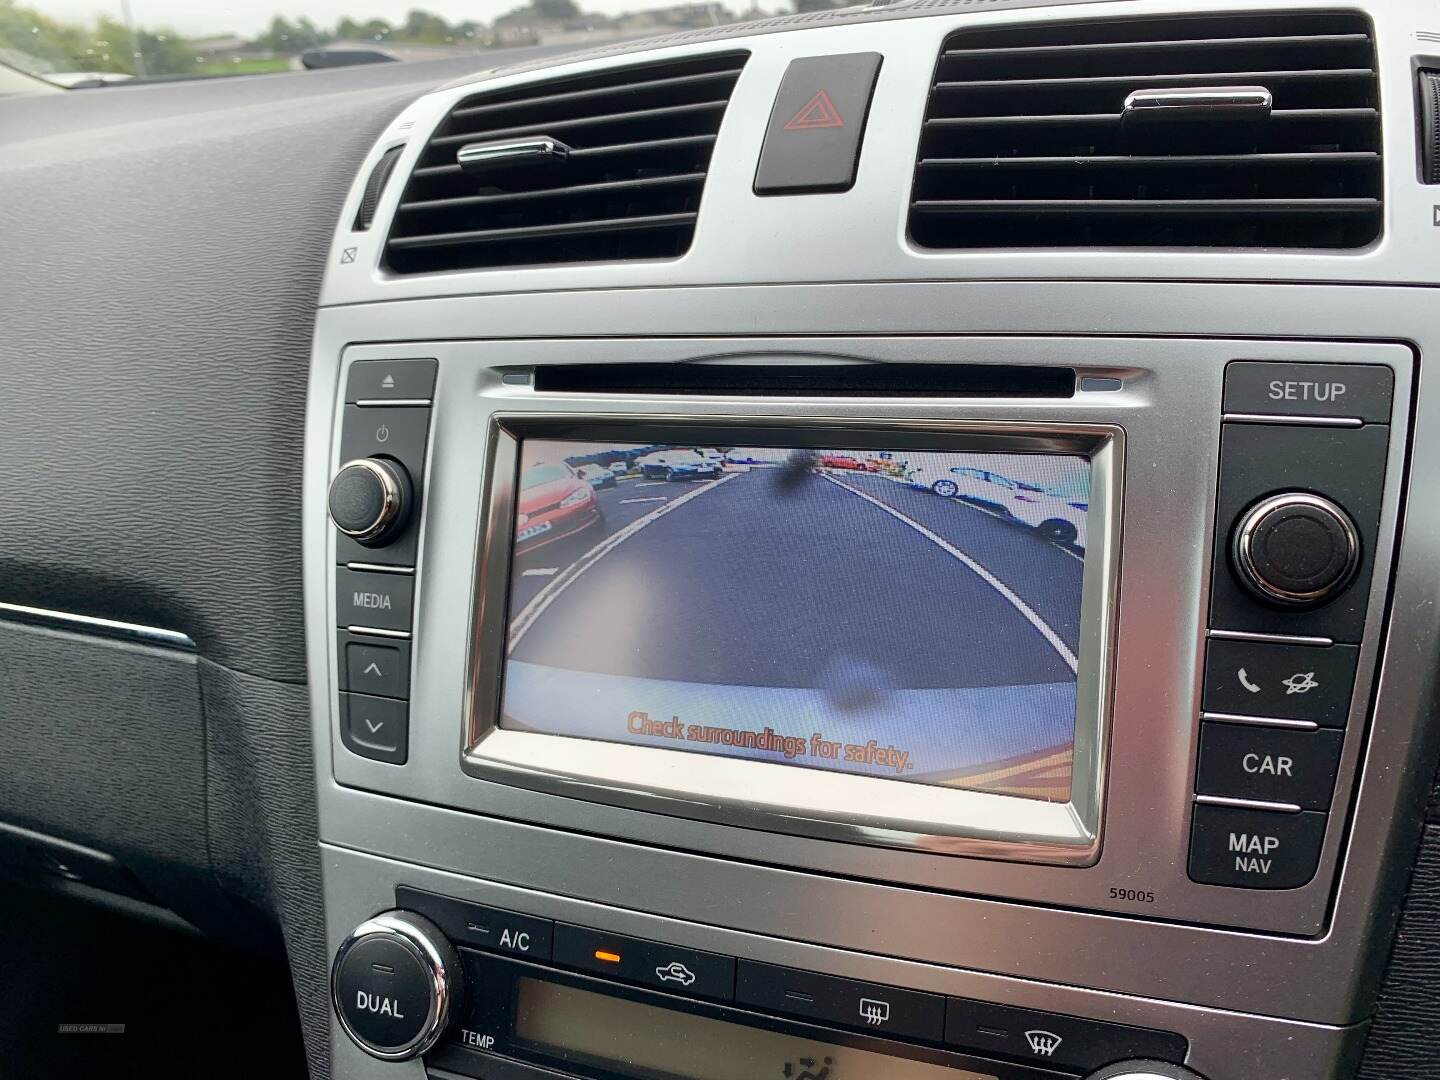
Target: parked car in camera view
679 465
555 502
969 484
597 476
1057 513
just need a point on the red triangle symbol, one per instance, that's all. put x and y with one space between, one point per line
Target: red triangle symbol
818 112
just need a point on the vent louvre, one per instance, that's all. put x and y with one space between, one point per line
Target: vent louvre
639 140
1024 143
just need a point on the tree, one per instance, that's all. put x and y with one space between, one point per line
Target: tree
559 10
426 26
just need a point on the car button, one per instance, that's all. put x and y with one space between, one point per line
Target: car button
1279 765
375 727
1067 1041
816 125
371 666
649 963
1362 391
364 598
383 989
391 380
1254 849
881 1010
1292 682
480 926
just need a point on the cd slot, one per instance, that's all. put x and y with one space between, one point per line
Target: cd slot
854 379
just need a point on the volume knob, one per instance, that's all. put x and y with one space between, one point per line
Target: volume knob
396 985
370 500
1295 549
1144 1070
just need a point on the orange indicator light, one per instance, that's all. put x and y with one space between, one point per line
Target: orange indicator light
608 957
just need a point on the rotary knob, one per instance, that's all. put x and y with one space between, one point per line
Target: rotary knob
370 500
1144 1070
396 985
1295 549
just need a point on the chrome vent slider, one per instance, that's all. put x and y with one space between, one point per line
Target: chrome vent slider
479 156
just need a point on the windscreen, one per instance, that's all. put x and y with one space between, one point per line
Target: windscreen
903 614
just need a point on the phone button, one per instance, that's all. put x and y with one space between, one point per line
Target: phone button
1290 682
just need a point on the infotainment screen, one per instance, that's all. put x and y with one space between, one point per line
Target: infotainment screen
905 614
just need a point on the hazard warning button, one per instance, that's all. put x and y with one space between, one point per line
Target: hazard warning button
813 141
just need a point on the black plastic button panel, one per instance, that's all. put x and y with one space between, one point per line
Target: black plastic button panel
646 963
386 416
1255 849
1052 1039
1279 679
398 433
1341 391
816 126
375 727
374 665
1027 1035
390 380
1268 764
880 1010
479 926
1345 465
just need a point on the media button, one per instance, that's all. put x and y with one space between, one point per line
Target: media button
1268 764
1291 682
871 1007
480 926
649 963
1255 849
1052 1039
366 598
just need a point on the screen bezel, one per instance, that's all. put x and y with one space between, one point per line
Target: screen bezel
778 797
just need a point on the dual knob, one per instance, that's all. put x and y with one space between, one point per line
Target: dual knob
371 500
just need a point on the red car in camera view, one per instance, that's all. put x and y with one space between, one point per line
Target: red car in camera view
554 503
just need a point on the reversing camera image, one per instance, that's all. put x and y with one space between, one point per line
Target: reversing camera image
904 614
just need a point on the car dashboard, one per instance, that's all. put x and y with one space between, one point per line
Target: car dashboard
884 542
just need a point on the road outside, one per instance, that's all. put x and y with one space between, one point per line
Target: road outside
887 629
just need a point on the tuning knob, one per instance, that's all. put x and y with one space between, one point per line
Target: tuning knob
370 500
1295 549
1144 1070
396 985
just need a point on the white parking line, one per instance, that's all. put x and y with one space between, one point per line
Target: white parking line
1030 614
648 498
547 596
540 571
651 483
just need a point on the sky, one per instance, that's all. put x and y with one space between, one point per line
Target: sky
195 18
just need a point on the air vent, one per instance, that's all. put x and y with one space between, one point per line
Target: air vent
1028 140
600 167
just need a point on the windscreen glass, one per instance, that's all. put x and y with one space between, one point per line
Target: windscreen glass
911 615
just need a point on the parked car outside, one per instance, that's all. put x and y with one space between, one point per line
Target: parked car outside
554 503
